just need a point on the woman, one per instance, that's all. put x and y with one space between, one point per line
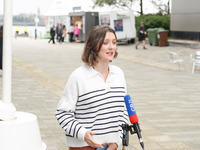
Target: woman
64 33
91 109
76 32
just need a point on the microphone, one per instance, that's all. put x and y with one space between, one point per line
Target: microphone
133 117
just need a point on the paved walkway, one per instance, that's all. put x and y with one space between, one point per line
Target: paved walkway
167 100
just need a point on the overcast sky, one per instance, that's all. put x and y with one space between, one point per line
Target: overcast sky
48 6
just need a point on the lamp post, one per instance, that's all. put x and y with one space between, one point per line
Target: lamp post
36 24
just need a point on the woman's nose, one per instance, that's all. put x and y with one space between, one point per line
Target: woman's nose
111 45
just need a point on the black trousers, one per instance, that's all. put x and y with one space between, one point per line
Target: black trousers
71 36
52 39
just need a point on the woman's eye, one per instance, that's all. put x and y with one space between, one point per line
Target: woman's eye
106 43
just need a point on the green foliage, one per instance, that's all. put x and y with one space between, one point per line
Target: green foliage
153 21
101 3
114 3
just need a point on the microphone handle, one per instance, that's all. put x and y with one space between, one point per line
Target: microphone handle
138 130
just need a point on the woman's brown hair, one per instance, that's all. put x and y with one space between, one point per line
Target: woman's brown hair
94 42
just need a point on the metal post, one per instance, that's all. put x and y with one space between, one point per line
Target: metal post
7 109
36 24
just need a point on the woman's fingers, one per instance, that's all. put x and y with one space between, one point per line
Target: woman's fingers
90 141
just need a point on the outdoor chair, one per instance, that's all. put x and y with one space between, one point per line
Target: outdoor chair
175 59
195 60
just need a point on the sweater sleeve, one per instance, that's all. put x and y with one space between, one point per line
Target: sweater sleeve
66 108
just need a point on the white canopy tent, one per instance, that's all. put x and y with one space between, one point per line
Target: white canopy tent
63 7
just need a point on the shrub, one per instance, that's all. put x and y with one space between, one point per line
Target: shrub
153 21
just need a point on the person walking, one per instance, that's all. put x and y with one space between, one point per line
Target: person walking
91 109
141 35
52 33
64 33
71 32
76 32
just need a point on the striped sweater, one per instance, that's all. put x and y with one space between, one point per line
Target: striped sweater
90 103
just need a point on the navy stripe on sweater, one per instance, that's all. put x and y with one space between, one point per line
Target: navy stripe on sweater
93 112
101 116
88 98
91 92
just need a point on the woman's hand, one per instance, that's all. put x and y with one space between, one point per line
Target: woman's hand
112 146
90 141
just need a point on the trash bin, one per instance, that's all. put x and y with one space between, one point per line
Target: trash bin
162 37
152 35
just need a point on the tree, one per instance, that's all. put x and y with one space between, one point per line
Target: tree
163 7
141 7
115 3
118 4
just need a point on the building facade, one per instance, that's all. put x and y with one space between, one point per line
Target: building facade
185 19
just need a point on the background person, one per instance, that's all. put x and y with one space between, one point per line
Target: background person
60 31
76 32
141 35
17 29
64 33
92 109
25 30
57 33
71 32
52 34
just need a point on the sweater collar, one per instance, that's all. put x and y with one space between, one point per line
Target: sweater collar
91 72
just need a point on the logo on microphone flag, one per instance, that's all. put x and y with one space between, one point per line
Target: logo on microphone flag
131 109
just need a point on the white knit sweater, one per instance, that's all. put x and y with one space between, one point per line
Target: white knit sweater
89 103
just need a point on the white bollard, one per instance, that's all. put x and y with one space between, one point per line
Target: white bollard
21 133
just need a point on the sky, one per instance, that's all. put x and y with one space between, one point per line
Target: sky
49 7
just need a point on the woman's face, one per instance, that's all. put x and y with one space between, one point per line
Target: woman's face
108 48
